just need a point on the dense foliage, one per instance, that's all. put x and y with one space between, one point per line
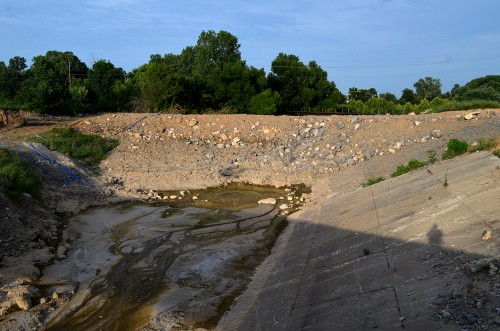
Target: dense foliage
211 76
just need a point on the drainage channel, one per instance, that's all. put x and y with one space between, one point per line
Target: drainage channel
165 265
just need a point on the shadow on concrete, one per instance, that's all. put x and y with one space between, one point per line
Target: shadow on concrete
435 236
399 285
397 256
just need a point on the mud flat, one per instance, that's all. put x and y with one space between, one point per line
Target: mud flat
171 265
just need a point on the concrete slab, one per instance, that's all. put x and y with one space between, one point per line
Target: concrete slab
380 257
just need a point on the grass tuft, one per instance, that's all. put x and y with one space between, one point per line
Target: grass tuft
17 177
372 181
431 157
412 165
90 149
483 145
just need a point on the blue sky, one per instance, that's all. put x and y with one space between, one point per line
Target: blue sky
385 44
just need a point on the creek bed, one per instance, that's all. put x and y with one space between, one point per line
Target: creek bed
176 264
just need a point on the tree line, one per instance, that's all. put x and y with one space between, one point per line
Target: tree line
210 76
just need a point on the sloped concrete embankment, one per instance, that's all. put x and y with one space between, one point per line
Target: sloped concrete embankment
408 253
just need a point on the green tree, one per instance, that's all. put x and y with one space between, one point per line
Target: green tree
264 103
159 84
302 87
483 88
428 88
362 94
214 76
287 78
408 95
47 89
380 106
100 83
481 93
318 92
127 93
389 97
12 77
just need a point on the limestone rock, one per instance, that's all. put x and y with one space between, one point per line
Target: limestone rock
268 201
436 134
471 115
486 235
23 303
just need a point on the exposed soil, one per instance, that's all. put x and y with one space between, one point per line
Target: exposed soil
159 156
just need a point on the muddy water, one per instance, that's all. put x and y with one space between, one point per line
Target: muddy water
170 265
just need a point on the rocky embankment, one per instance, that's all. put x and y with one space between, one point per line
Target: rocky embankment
178 152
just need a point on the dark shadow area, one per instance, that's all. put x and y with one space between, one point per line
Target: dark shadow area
435 236
399 285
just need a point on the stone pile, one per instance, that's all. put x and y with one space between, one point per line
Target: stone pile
318 145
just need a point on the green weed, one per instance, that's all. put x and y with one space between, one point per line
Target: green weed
90 149
412 165
372 181
431 157
16 176
455 147
483 145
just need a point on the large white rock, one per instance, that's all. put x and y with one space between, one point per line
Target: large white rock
268 201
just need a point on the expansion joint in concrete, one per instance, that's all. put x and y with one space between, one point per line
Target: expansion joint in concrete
387 259
306 263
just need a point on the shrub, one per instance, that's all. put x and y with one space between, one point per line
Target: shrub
90 149
483 145
372 181
423 106
455 147
16 175
410 108
452 105
412 165
437 102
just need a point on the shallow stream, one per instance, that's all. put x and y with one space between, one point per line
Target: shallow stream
174 264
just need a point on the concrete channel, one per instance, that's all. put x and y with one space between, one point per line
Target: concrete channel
392 256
